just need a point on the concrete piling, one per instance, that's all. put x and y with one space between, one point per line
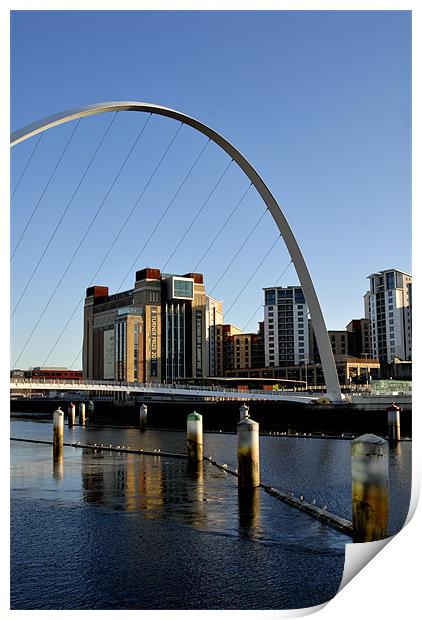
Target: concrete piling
248 453
369 488
393 413
143 414
194 437
71 415
58 431
82 419
90 407
243 411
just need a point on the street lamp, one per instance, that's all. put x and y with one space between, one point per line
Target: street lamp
305 361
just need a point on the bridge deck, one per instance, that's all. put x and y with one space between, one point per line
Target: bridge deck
184 391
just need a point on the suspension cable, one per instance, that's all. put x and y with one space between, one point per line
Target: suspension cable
27 164
222 227
198 213
164 214
252 275
236 254
260 305
64 214
114 240
74 361
80 244
45 188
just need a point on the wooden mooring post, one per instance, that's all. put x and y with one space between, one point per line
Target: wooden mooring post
58 431
248 453
82 419
393 413
369 488
194 437
143 415
71 415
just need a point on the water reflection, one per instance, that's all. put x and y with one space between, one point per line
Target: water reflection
58 463
250 512
92 474
195 492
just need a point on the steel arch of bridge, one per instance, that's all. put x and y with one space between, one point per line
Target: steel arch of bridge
318 323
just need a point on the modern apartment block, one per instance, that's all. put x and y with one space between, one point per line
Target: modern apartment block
242 350
388 307
339 344
154 332
358 338
214 317
225 349
285 326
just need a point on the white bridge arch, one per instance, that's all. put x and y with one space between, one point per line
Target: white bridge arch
318 323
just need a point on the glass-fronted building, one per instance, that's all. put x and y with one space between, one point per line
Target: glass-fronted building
155 332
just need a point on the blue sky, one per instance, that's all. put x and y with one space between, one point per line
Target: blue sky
319 102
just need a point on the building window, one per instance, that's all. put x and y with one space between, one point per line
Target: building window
390 279
390 293
270 298
183 288
300 331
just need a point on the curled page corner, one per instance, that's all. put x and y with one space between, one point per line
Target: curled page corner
357 555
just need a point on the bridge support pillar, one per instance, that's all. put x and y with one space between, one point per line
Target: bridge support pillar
143 415
58 432
248 453
71 415
369 488
194 437
393 413
82 419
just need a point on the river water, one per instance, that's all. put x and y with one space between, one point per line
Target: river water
104 530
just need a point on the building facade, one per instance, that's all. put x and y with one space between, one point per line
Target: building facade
358 337
388 307
213 318
339 344
155 332
286 333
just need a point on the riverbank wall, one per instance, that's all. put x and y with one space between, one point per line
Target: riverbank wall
289 418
